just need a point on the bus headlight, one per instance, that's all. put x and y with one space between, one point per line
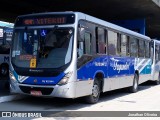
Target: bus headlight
65 79
12 77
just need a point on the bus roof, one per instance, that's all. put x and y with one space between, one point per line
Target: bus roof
115 27
49 13
156 41
94 20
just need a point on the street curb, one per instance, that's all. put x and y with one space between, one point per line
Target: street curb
8 98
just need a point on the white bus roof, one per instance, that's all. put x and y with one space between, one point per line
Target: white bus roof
96 20
113 26
156 41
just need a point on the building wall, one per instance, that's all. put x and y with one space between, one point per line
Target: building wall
135 25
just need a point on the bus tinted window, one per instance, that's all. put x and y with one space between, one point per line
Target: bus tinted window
112 42
156 53
118 43
124 45
141 48
159 53
87 38
147 49
133 47
5 40
101 40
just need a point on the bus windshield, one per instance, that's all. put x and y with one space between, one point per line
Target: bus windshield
42 47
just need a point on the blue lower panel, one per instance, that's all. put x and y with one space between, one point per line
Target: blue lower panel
43 80
111 66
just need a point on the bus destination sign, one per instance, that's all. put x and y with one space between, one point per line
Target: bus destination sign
51 19
45 21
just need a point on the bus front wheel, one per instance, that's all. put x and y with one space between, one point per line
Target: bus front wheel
94 97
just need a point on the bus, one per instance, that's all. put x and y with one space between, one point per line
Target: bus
5 42
72 54
155 74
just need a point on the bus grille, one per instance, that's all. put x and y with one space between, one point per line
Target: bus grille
45 91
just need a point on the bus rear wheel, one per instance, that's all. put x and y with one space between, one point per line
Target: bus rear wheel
134 87
94 97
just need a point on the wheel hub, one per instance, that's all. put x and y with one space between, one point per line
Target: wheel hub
95 91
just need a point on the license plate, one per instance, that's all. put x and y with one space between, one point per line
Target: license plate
36 93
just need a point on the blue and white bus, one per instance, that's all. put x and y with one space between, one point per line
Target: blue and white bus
5 42
71 55
155 49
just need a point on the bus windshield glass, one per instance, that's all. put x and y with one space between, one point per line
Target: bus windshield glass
42 48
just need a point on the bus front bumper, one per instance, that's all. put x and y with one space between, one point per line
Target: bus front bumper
63 91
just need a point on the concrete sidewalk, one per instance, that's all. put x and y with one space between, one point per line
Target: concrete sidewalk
5 94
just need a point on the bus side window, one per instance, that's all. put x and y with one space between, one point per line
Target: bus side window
133 47
159 54
156 53
87 39
106 41
80 42
147 49
112 42
124 45
80 49
141 48
151 46
100 39
119 44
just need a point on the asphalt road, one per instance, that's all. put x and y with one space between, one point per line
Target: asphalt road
146 99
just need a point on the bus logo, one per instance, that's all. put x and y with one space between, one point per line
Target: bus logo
35 81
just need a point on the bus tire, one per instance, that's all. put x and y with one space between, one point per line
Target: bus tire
157 82
134 87
94 97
